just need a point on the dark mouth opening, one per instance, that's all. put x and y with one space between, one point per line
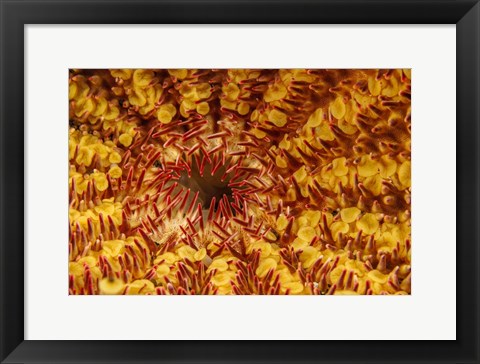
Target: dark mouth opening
209 184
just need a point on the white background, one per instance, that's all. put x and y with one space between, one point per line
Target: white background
429 313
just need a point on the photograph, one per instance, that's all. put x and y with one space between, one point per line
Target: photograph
239 182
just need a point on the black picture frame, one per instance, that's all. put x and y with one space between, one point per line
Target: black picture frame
15 14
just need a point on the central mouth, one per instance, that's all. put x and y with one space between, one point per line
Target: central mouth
210 184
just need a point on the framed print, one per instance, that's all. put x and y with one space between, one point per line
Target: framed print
239 181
